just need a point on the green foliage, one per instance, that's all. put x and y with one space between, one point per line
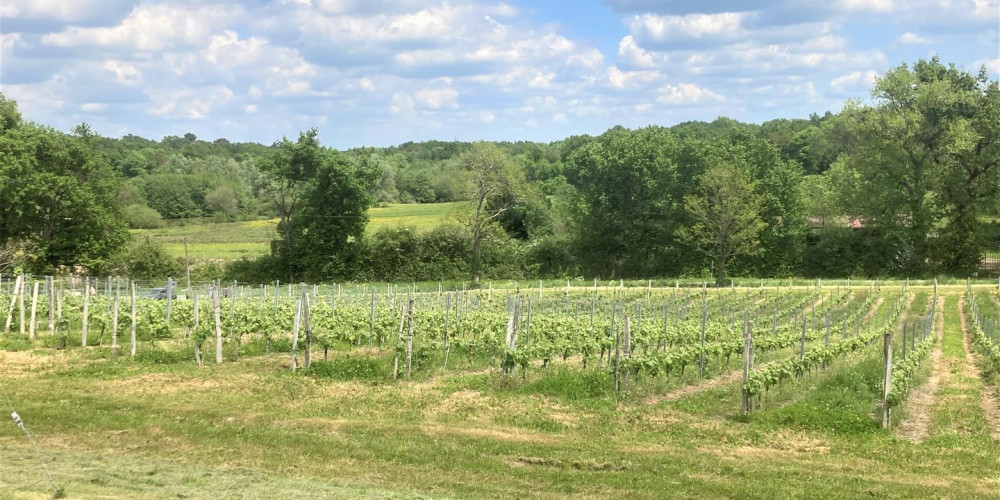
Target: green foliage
222 201
58 195
726 215
631 184
322 200
174 195
924 162
142 217
145 259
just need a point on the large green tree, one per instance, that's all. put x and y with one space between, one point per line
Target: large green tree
925 162
494 185
631 187
57 196
726 212
322 199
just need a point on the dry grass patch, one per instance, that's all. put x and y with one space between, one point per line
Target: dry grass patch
497 434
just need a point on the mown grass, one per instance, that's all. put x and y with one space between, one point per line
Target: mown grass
156 427
208 240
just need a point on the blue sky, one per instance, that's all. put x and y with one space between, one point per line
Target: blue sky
382 72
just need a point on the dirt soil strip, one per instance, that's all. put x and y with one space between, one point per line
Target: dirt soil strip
989 402
919 406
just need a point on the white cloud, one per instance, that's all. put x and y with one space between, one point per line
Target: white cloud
9 40
991 65
61 10
856 80
867 5
663 28
633 55
437 98
487 116
189 103
125 73
559 118
621 79
909 38
150 27
685 93
93 106
367 84
402 104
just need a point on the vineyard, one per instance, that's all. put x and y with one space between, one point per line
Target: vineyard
526 383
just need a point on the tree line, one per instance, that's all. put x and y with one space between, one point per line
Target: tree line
905 184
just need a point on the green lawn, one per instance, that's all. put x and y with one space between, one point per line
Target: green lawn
232 240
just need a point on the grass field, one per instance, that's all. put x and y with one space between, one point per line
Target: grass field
232 240
159 426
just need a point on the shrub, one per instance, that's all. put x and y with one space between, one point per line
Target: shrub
142 217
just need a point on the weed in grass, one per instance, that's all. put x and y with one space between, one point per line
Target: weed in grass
350 368
840 403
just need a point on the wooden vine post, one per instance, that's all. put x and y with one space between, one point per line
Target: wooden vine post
114 324
748 405
628 349
295 334
51 295
86 312
34 312
20 304
13 302
131 341
217 313
399 335
618 350
886 378
307 360
409 337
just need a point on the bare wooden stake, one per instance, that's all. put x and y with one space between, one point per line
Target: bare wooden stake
20 303
295 334
305 311
86 312
34 312
628 349
617 361
131 344
747 364
114 325
409 338
886 378
217 313
13 302
51 295
399 335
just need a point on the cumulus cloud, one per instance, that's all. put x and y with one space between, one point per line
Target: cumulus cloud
867 5
909 38
437 98
124 73
386 71
665 28
9 40
857 81
60 10
685 93
193 104
149 27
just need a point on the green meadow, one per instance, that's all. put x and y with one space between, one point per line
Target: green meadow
209 240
